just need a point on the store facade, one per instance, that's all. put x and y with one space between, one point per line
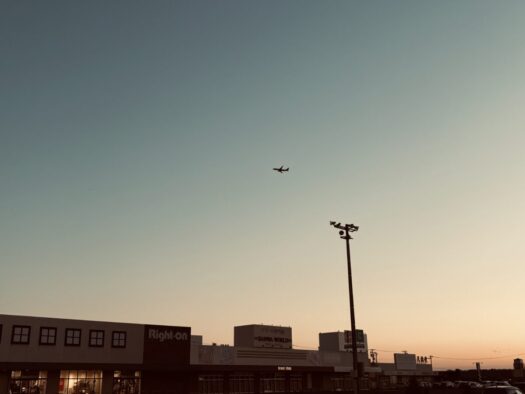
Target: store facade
63 356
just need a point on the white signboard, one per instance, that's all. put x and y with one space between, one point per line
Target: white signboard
273 337
360 340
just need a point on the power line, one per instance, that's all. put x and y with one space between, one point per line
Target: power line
460 358
480 358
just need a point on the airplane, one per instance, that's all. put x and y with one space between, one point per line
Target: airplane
281 169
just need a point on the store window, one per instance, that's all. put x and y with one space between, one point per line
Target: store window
48 336
20 335
126 382
28 381
118 339
80 382
73 337
272 383
96 338
340 382
296 383
242 384
211 384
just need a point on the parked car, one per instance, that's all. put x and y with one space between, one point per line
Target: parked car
475 385
467 385
502 390
445 384
491 383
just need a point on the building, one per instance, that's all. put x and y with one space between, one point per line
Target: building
65 356
264 359
68 356
406 367
342 341
518 371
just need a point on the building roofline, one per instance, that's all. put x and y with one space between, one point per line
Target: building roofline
88 320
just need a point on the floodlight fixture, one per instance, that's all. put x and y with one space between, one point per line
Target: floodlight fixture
345 229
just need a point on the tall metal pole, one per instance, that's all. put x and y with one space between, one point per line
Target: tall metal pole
345 234
352 314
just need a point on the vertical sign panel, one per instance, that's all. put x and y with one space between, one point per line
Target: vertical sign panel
167 345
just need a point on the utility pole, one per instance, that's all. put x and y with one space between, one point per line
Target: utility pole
344 233
478 370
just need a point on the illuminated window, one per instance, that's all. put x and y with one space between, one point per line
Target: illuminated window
28 382
80 382
118 339
72 337
20 335
126 382
48 336
96 338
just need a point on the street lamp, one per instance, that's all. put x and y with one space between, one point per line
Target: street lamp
344 232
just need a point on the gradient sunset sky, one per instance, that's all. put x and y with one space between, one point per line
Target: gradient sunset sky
137 141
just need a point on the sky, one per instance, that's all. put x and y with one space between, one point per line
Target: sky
137 141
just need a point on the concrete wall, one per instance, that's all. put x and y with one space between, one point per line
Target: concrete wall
4 381
230 355
331 341
243 336
59 353
263 336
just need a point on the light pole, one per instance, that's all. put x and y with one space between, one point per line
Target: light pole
344 232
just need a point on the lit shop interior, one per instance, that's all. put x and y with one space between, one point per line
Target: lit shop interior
74 382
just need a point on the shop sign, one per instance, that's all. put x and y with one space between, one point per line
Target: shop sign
166 345
166 335
273 337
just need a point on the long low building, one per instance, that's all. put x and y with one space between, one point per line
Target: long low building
65 356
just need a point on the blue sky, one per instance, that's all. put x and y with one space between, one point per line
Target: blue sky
137 142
